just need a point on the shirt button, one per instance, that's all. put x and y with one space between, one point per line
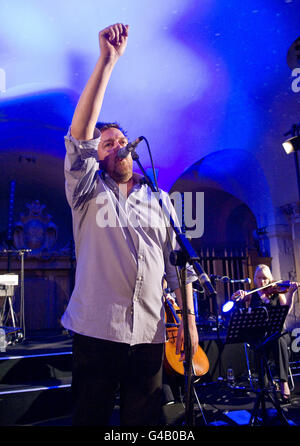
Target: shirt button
141 257
140 278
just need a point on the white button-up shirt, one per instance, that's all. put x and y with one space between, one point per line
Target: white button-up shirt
122 253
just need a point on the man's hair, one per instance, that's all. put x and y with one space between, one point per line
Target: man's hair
107 125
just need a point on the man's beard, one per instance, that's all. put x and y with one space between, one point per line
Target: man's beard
121 177
118 172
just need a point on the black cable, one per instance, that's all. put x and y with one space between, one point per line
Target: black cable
152 164
164 216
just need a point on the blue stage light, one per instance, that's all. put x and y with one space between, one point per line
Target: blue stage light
228 306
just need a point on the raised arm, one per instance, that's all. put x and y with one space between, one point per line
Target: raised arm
112 41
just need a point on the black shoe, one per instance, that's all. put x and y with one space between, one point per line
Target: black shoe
285 399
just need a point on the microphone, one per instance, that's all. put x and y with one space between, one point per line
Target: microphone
16 250
219 278
124 151
247 280
226 279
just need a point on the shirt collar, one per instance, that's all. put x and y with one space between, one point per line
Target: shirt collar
139 179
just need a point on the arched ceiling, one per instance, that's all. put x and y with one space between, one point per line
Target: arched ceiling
232 172
197 77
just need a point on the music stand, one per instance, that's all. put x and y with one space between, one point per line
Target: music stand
258 327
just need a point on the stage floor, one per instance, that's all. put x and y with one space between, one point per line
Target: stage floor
35 390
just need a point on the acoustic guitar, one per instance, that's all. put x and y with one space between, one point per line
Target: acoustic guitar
172 363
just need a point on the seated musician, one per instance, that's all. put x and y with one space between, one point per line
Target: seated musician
263 297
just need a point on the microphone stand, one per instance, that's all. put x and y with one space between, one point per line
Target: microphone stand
180 258
21 253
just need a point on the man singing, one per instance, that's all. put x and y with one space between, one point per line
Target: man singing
116 309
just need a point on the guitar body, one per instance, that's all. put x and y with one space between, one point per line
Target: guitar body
172 362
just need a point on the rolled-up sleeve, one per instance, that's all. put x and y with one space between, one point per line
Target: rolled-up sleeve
81 168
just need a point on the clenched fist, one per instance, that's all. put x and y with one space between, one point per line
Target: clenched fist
113 40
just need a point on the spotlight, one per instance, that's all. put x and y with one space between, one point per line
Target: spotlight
228 306
292 144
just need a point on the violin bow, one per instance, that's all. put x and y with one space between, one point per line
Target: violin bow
261 288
